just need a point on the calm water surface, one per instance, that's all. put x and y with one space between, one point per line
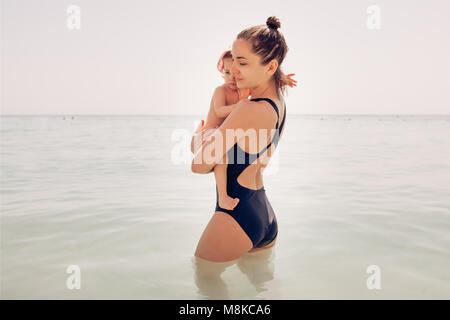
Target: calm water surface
114 195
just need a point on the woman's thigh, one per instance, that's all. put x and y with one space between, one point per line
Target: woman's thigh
223 239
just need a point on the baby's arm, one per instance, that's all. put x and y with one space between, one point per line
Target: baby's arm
219 100
220 173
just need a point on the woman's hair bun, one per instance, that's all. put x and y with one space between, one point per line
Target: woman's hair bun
273 22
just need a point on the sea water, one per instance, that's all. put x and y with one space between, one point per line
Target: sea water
106 207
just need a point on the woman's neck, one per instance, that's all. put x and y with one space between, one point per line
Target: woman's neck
264 91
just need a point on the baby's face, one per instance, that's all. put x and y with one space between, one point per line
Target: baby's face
229 78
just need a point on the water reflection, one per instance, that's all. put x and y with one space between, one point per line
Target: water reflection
258 267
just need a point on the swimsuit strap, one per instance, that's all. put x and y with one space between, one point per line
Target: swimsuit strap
277 133
272 104
284 117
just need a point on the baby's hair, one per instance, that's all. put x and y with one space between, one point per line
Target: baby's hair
220 65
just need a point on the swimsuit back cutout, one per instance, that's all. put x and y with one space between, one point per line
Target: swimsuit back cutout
239 160
253 212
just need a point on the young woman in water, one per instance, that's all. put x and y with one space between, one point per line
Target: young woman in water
257 55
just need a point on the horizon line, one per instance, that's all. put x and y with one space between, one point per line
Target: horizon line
196 115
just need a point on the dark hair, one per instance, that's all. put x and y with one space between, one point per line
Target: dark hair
269 44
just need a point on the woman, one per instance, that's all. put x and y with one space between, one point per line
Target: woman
257 54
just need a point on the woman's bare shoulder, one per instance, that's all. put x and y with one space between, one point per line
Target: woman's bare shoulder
256 114
263 112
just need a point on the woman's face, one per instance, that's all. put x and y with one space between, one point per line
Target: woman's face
229 79
247 69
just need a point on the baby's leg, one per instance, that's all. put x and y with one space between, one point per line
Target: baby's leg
220 173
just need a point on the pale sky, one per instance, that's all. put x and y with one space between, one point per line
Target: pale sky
159 57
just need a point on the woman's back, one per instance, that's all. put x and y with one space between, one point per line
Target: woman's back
247 160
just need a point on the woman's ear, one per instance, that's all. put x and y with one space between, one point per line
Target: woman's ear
273 65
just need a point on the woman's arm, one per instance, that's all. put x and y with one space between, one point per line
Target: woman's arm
209 153
197 140
198 137
199 129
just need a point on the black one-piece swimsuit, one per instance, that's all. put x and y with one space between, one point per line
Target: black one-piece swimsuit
253 211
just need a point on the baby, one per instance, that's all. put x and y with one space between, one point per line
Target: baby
222 104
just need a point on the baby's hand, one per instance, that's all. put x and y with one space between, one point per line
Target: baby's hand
290 82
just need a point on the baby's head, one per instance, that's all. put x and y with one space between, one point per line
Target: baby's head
224 67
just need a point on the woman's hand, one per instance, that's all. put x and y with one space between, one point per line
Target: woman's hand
290 82
244 93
